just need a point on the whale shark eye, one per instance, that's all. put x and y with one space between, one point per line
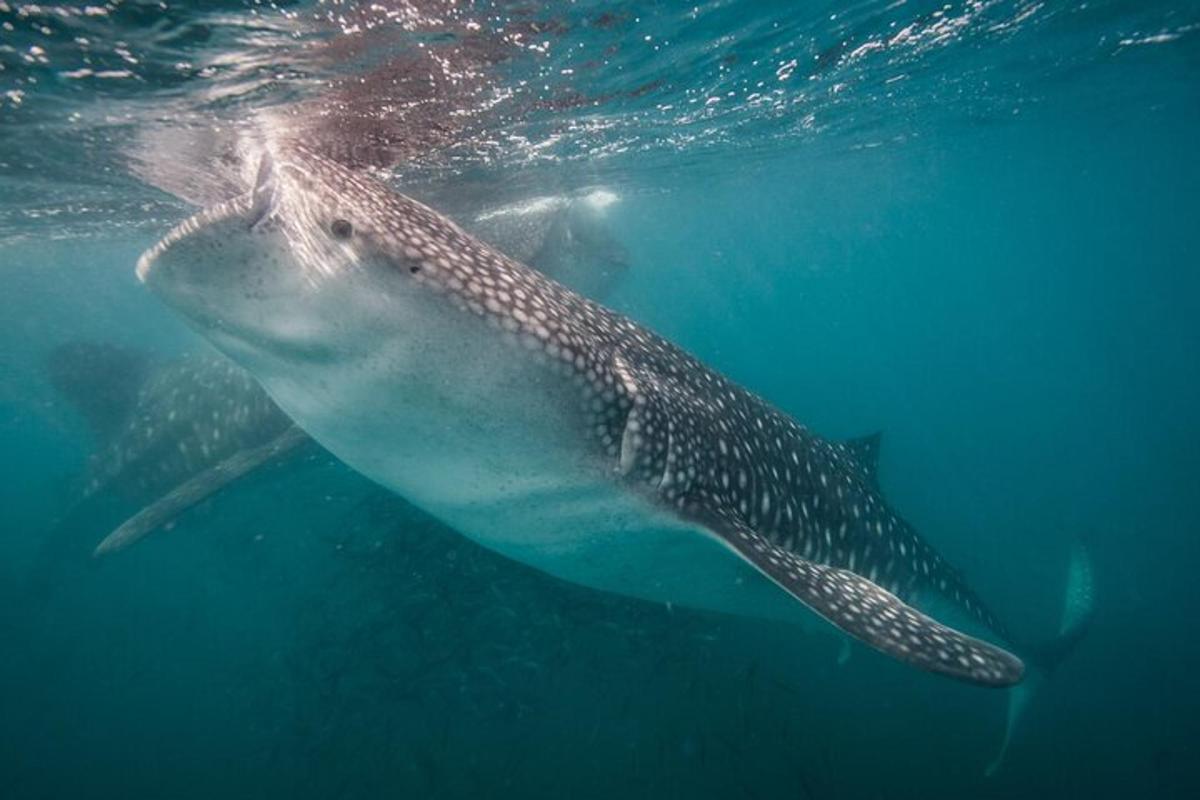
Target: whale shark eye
341 229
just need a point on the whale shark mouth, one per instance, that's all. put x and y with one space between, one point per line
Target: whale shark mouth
242 205
257 206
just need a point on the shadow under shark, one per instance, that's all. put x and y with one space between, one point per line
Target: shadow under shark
555 431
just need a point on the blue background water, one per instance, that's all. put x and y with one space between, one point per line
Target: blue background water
1011 297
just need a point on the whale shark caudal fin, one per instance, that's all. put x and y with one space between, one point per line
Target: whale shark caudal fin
872 614
195 489
1078 608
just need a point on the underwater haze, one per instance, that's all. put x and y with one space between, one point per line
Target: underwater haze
969 226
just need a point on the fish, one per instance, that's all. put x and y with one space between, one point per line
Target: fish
547 427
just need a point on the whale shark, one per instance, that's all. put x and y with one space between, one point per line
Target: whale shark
548 427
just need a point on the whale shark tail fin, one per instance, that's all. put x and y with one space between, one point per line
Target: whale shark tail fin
1077 612
1078 608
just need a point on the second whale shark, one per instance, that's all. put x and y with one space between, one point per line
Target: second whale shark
547 427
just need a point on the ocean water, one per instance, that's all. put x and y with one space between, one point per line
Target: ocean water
969 225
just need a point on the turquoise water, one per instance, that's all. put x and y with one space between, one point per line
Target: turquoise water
970 226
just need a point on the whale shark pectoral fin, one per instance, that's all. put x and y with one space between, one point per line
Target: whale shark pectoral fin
874 615
195 489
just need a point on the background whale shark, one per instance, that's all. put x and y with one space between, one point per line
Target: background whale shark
163 433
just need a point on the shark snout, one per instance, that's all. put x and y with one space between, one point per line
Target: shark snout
246 213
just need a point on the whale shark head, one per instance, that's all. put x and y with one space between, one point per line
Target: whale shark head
314 262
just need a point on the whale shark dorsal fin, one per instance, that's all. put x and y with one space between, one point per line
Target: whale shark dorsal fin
865 451
872 614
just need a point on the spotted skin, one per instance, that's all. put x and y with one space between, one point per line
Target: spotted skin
610 410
